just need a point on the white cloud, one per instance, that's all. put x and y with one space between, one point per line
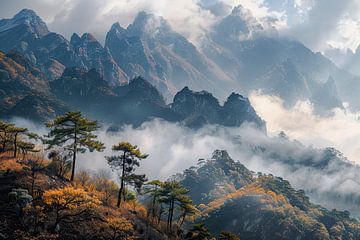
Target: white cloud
340 130
186 16
173 148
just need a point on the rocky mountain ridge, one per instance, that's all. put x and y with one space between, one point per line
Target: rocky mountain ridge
235 56
26 92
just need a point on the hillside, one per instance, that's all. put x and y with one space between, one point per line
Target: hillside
25 90
257 206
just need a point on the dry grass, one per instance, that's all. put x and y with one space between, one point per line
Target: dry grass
8 163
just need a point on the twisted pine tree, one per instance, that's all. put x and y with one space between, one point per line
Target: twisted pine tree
5 136
15 132
126 163
74 133
16 138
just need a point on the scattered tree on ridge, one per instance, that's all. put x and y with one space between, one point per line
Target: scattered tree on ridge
5 134
198 232
12 138
172 194
60 162
153 189
120 228
126 164
228 236
15 133
35 166
75 133
70 205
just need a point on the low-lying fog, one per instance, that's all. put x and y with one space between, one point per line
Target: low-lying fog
321 173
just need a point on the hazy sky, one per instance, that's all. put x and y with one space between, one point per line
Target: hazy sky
317 23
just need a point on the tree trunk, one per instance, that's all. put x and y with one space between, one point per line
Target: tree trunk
74 156
15 145
33 184
73 165
122 182
153 207
3 147
160 213
172 212
56 221
168 218
183 219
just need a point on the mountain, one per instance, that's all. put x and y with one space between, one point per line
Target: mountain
150 48
277 65
258 206
25 91
199 108
139 101
238 54
51 52
347 60
21 30
133 103
214 178
96 56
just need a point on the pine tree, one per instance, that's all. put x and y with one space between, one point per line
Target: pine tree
126 164
153 189
228 236
187 208
5 135
15 133
172 193
198 232
75 133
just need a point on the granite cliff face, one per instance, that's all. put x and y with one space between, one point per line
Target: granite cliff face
94 55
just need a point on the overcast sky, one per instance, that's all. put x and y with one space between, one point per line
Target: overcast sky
317 23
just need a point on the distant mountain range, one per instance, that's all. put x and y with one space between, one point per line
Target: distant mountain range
234 56
26 92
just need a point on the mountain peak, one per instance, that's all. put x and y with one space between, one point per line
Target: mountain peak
88 37
235 96
75 39
26 17
116 27
142 17
26 13
239 10
149 24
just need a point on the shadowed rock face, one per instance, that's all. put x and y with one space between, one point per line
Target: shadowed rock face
96 56
139 101
19 31
199 108
25 90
